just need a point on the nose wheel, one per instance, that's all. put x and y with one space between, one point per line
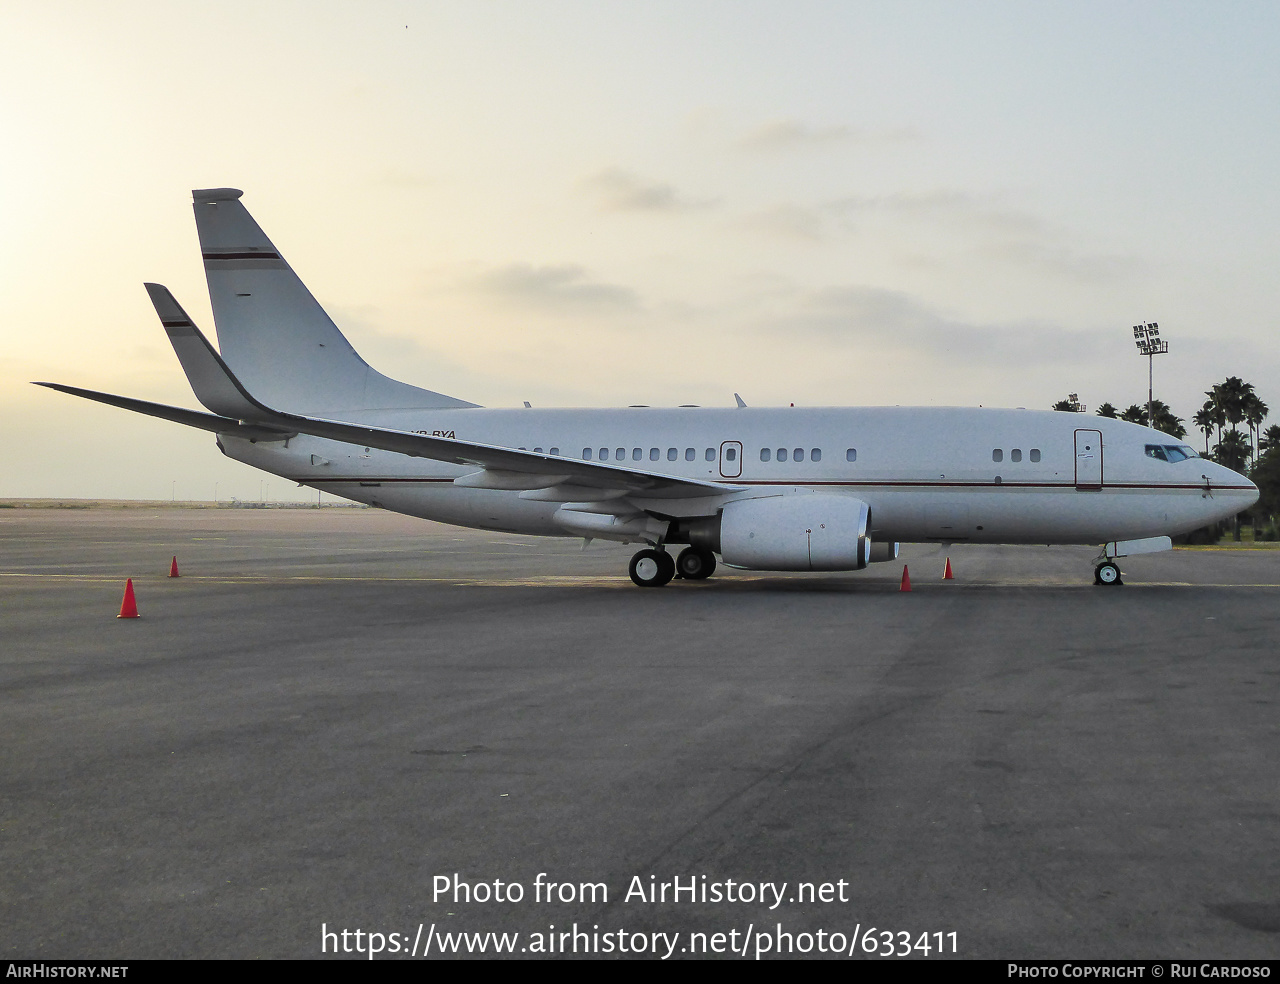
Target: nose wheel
1107 573
652 568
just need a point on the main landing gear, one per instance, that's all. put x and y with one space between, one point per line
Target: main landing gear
1107 573
654 568
695 564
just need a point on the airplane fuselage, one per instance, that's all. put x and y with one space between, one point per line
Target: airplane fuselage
928 474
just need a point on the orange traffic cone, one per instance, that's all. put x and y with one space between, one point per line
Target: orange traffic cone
128 607
173 568
906 579
947 575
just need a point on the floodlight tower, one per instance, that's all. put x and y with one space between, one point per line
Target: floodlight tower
1147 338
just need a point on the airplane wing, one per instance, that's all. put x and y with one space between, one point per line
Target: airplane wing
192 418
238 413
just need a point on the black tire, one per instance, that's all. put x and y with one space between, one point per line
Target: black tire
695 564
1107 574
652 568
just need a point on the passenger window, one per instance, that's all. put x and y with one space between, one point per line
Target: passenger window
782 454
654 454
672 454
586 454
1015 454
710 454
637 454
690 454
797 454
851 454
620 454
815 454
997 455
554 451
1035 454
730 454
765 454
537 450
604 454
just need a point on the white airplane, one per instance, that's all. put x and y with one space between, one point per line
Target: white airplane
778 489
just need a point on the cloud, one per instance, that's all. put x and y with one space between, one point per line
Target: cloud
887 320
619 190
988 229
562 288
787 221
960 209
793 135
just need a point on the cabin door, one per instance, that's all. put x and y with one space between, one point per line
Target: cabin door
1088 459
730 459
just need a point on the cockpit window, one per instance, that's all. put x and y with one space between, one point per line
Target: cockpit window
1171 452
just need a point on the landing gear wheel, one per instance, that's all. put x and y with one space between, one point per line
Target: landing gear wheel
652 568
695 564
1107 573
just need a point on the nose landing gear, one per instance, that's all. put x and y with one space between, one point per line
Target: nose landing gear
1107 573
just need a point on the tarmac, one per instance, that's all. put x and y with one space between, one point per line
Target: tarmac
333 714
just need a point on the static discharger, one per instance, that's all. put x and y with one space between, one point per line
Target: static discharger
906 579
946 574
128 607
173 568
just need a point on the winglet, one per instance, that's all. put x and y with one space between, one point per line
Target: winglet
214 384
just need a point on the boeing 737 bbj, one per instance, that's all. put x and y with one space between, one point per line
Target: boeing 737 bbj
779 489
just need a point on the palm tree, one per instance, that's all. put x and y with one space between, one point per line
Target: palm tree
1134 414
1270 438
1107 410
1255 412
1163 420
1204 422
1230 395
1233 451
1216 409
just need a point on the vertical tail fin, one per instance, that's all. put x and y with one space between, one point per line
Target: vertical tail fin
274 334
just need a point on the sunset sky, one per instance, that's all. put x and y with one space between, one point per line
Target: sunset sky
606 203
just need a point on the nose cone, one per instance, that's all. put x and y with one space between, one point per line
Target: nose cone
1236 492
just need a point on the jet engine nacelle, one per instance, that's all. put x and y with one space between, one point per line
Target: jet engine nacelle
796 533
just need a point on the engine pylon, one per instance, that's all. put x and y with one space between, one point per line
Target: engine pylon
128 607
